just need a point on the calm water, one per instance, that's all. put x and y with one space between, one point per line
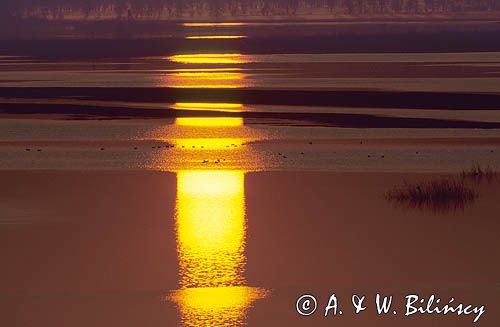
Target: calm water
189 220
229 248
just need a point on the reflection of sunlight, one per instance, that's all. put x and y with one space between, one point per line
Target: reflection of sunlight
204 78
209 70
214 142
212 139
226 77
209 121
212 75
224 107
207 80
218 141
210 58
208 143
211 226
216 306
212 24
213 37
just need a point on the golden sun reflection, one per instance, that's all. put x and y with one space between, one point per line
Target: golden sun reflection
211 75
211 221
209 70
218 77
210 121
211 227
208 143
224 107
214 37
216 306
205 79
210 58
213 24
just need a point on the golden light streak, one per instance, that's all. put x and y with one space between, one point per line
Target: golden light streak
202 70
210 58
208 86
206 80
209 121
208 143
211 75
211 227
216 306
213 24
215 37
224 107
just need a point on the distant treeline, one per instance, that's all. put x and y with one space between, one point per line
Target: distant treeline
177 9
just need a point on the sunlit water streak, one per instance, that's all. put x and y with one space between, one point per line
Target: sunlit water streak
211 229
215 37
213 121
221 107
216 306
210 58
225 77
214 24
206 79
223 143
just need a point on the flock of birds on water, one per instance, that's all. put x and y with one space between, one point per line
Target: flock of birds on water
205 161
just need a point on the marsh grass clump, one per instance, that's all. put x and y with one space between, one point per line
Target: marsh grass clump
439 195
479 173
